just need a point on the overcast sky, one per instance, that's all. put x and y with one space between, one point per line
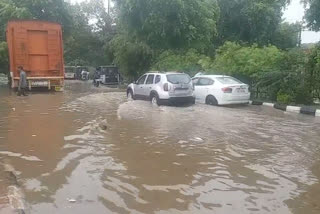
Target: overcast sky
293 13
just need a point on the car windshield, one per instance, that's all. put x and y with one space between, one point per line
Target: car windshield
178 78
228 80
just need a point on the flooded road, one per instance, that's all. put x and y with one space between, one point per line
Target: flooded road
89 150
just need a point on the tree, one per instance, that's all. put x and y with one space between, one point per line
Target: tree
83 45
132 56
286 35
8 11
251 21
312 14
48 10
169 24
103 26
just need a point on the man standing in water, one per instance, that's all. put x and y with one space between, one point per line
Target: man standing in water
22 82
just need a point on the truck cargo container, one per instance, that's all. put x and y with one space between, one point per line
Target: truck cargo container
36 46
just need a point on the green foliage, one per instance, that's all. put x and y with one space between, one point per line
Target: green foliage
251 21
273 74
132 57
284 98
48 10
177 24
187 61
3 57
286 36
312 14
232 58
313 66
8 11
85 42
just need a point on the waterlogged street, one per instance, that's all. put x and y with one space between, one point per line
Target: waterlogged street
89 150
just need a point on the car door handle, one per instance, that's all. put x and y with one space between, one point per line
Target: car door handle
140 86
150 87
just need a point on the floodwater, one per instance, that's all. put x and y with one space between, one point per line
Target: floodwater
89 150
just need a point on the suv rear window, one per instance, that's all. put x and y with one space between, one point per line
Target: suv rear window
178 78
228 80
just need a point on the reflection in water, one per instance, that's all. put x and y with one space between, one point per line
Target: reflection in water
89 150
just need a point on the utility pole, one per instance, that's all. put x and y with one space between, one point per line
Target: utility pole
300 34
108 7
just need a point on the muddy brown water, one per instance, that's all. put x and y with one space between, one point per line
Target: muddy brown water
197 159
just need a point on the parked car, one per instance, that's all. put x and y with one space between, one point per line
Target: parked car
163 88
110 75
220 90
70 72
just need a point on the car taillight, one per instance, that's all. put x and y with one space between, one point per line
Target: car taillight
227 90
166 87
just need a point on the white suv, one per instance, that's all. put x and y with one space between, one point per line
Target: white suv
163 88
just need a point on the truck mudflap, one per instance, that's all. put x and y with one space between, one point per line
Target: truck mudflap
55 83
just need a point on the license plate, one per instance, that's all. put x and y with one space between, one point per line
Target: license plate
39 83
58 88
69 75
180 92
241 90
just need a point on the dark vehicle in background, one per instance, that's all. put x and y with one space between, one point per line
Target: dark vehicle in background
110 75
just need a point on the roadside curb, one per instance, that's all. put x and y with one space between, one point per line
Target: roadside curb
309 110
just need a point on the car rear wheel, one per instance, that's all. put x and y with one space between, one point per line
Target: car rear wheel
155 100
211 100
130 95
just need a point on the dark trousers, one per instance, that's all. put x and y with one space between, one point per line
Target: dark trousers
22 91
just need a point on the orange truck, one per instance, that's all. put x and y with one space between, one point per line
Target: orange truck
36 46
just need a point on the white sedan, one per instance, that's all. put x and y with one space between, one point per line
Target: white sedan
220 90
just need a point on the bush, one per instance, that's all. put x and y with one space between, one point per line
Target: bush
233 58
303 96
4 64
283 98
